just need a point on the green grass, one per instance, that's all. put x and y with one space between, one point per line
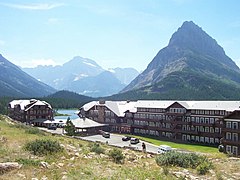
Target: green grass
78 162
188 147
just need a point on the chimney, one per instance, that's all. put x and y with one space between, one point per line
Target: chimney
101 101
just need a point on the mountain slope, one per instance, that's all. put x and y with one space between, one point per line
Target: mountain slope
125 75
67 99
59 76
14 82
84 76
103 84
191 54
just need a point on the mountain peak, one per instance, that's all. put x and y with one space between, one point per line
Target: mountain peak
190 49
190 35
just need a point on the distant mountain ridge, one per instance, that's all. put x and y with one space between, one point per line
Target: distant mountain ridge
84 76
191 58
16 83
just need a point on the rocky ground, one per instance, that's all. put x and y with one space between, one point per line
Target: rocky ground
77 161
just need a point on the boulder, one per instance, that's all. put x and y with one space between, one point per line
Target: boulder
44 164
8 166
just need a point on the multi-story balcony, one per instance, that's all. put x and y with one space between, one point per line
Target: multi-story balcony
230 142
230 130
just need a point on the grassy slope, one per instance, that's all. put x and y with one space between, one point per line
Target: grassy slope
77 162
69 164
188 147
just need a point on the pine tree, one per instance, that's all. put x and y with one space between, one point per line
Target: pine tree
69 127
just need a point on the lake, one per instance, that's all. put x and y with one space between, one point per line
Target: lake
70 112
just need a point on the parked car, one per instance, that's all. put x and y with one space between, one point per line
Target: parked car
163 149
53 127
106 134
134 140
126 138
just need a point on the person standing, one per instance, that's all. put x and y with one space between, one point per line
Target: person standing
143 147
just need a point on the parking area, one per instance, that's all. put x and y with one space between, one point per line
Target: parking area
114 140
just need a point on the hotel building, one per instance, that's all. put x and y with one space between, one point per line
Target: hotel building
201 122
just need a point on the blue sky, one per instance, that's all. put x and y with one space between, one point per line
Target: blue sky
114 33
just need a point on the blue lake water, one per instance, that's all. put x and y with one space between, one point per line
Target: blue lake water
71 112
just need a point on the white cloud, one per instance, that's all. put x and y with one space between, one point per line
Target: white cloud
37 62
43 6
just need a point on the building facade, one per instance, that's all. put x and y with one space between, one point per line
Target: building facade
30 110
200 122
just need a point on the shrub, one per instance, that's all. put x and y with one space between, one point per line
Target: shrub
95 147
34 130
43 147
20 126
28 162
116 155
165 171
204 167
185 160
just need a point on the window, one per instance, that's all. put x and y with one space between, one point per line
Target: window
228 136
229 149
211 130
197 119
207 139
151 132
206 129
211 120
235 125
222 113
184 138
206 120
235 150
193 119
228 125
197 138
235 137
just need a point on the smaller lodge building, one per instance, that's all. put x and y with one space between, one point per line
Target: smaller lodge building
201 122
28 110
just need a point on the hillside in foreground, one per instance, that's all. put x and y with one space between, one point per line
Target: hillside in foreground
78 160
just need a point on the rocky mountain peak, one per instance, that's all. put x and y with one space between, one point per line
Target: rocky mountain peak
191 36
190 48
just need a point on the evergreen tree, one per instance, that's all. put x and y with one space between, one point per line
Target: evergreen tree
69 127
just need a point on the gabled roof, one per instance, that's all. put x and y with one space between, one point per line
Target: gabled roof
117 107
120 107
88 106
86 123
201 105
153 104
24 103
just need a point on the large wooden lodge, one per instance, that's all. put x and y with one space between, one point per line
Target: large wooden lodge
200 122
29 110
